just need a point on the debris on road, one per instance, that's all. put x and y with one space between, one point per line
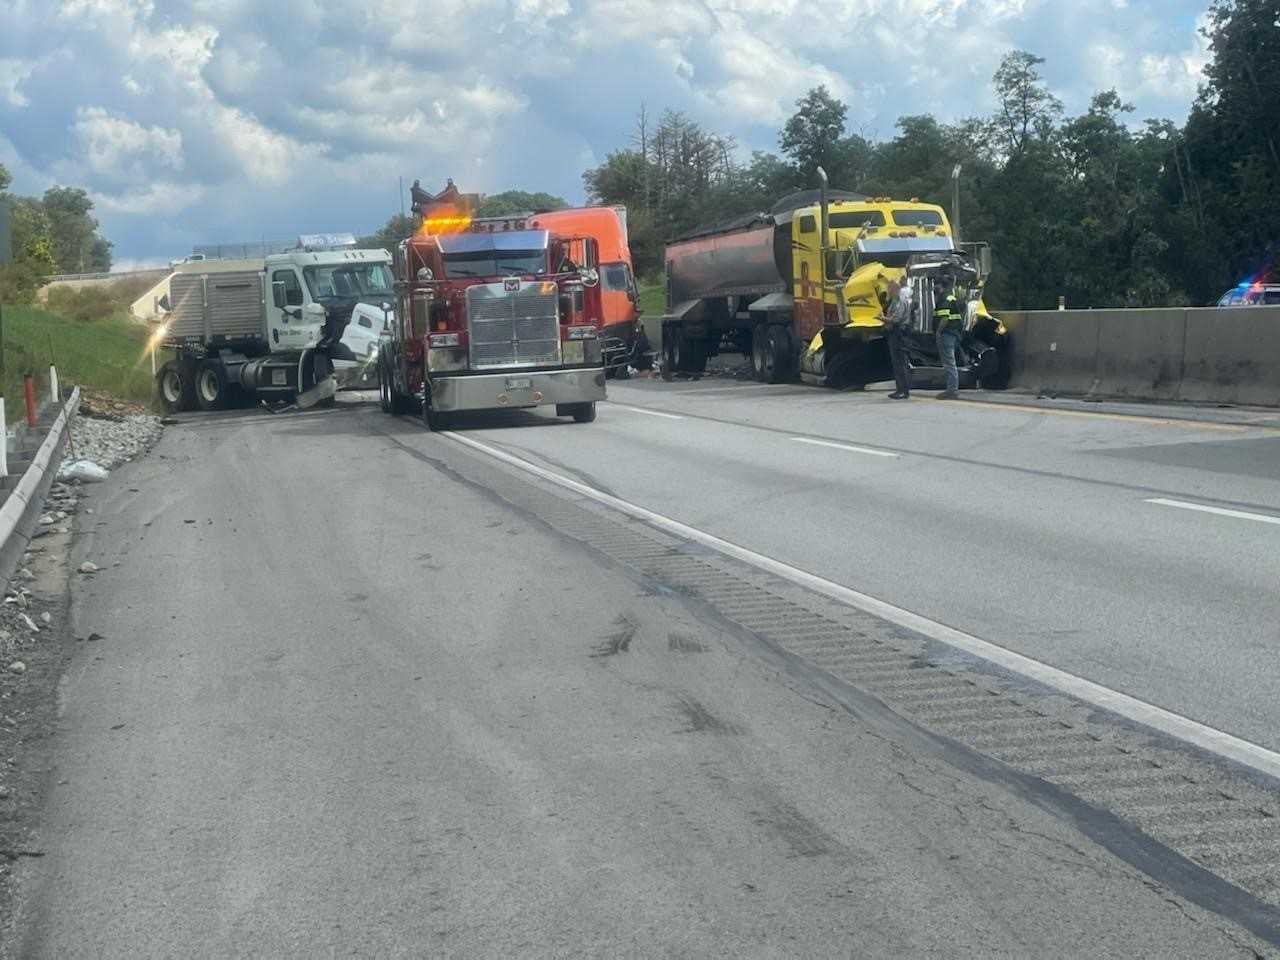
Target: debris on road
88 567
86 471
17 667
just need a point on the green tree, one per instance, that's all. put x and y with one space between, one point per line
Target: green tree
1027 109
389 235
100 255
811 137
71 227
518 201
32 251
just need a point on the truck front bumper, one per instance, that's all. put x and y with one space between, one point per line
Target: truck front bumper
494 391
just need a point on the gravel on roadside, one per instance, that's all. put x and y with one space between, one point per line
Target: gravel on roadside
111 442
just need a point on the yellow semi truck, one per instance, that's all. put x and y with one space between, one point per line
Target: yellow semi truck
801 300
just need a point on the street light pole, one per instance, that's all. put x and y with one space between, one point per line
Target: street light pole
955 202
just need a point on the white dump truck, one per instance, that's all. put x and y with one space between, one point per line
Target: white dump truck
298 329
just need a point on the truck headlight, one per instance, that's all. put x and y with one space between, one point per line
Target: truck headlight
438 340
582 333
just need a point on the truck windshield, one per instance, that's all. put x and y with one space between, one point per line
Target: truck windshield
495 263
349 280
856 218
917 218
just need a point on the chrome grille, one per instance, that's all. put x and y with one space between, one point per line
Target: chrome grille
513 328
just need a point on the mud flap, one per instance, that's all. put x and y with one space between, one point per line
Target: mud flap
323 390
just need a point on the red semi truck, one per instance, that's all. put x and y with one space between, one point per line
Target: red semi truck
493 320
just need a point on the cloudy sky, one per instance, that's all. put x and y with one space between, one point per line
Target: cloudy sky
197 121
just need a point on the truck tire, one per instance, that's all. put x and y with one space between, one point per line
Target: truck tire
174 388
778 355
690 354
581 412
759 336
384 388
211 386
400 403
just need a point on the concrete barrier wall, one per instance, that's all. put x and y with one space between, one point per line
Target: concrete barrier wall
1203 355
1232 356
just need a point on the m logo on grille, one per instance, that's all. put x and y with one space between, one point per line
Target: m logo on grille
511 284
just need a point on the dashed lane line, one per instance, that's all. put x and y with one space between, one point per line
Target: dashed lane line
647 413
1217 511
845 446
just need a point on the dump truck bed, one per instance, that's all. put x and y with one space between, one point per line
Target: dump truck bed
216 306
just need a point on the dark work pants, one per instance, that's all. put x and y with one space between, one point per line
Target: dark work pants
948 344
897 338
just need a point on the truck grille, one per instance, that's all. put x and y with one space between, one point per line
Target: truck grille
513 328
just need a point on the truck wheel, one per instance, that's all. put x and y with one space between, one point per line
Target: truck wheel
999 380
759 344
582 412
211 386
777 355
384 389
690 355
173 387
668 354
400 404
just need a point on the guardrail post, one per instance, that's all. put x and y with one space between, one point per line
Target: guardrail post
54 395
29 394
4 442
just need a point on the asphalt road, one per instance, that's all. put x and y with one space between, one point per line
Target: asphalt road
1027 527
352 700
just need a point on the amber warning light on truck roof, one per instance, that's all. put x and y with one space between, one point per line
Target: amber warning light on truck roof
453 222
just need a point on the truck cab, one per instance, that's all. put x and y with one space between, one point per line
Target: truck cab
282 329
623 339
485 320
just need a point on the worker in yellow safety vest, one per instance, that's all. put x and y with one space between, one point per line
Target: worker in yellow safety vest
948 325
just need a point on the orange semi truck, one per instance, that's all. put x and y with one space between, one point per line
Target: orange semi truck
623 339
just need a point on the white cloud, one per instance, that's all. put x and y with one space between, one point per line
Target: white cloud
13 73
118 148
193 120
163 198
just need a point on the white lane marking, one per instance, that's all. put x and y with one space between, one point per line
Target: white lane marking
845 446
1183 728
647 413
1219 511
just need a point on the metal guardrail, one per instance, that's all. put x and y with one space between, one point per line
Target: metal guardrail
62 277
25 500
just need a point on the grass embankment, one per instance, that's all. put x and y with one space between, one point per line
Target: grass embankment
653 298
91 339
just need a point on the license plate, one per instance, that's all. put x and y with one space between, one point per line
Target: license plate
519 383
279 378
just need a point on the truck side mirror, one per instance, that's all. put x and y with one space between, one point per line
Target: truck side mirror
589 276
984 261
278 296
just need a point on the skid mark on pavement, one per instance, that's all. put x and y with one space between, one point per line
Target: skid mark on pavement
702 720
683 643
802 835
619 641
